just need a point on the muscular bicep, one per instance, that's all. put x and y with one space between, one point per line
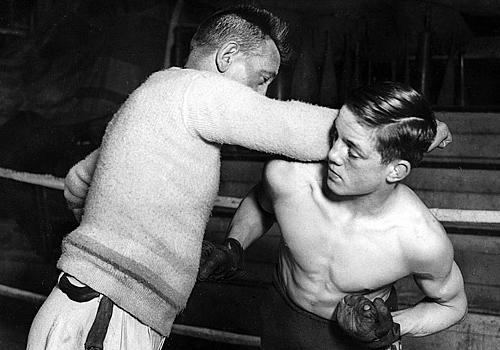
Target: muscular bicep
444 286
431 260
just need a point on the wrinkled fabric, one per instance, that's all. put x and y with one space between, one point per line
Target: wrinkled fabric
63 324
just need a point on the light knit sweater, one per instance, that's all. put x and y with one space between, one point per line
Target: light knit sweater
157 176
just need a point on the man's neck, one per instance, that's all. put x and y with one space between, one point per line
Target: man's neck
199 62
372 204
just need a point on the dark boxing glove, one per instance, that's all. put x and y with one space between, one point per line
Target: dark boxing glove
369 324
220 261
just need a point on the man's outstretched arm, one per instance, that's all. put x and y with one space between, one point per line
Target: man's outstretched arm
234 114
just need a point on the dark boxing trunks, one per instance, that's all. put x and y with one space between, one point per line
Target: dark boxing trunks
286 326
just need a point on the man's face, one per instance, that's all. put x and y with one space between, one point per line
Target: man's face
256 69
354 164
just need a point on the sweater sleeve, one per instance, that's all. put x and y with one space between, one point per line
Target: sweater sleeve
220 110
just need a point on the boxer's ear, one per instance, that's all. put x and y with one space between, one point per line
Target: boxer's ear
225 55
399 169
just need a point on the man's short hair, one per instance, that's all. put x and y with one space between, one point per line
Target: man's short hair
246 25
405 123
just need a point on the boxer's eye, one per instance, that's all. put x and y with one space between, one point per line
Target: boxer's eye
352 154
265 79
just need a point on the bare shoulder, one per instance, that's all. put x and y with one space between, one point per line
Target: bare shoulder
284 176
428 250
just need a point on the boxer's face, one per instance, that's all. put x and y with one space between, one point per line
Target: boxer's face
354 165
256 69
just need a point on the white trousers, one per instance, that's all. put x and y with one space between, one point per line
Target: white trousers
63 324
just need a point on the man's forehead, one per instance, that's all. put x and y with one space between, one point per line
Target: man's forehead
268 51
351 127
349 118
346 118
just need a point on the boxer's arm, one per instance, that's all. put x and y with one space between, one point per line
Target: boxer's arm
253 218
440 279
223 111
255 215
77 183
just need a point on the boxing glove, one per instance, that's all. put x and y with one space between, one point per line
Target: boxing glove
368 323
220 261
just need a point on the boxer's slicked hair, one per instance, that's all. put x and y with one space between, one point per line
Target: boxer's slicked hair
405 123
246 25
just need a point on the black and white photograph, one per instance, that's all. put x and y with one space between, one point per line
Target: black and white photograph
249 174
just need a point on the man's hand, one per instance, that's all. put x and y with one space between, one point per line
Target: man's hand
220 261
443 136
75 192
77 183
368 323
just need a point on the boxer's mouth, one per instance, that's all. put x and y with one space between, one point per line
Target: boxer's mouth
333 174
331 171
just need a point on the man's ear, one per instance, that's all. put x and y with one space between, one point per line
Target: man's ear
399 170
225 55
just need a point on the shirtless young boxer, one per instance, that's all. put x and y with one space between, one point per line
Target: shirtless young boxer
349 227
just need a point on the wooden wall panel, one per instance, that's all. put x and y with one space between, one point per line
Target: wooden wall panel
475 136
240 170
471 122
455 180
457 200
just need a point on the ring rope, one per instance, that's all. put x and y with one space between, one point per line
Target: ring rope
45 180
447 215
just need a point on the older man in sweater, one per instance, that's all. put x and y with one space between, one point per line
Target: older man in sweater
156 177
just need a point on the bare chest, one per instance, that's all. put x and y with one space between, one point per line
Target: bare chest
345 256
